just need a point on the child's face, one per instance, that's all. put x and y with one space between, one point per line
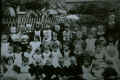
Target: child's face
54 36
57 27
10 49
90 36
86 63
66 48
98 48
79 34
19 49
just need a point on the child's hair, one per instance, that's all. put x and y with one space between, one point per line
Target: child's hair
108 72
97 43
36 37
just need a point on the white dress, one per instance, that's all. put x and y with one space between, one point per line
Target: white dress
18 59
55 58
4 49
67 60
90 45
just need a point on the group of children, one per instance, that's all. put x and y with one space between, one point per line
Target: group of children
59 53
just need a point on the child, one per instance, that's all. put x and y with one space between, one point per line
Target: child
56 54
94 31
113 56
47 34
101 30
4 45
99 52
37 57
66 51
67 35
90 41
78 44
37 33
10 57
18 57
24 42
56 41
57 28
87 67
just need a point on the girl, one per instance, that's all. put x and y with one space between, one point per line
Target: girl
90 43
10 57
18 57
56 54
101 30
47 34
99 52
94 31
38 63
28 54
66 51
37 57
67 35
56 42
24 42
46 54
112 55
86 67
4 45
37 32
78 44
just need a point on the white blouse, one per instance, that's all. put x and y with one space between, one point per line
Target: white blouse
18 59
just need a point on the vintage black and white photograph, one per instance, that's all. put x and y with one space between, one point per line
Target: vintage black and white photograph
60 40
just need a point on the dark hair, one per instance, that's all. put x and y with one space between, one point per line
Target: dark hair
108 72
16 68
97 42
